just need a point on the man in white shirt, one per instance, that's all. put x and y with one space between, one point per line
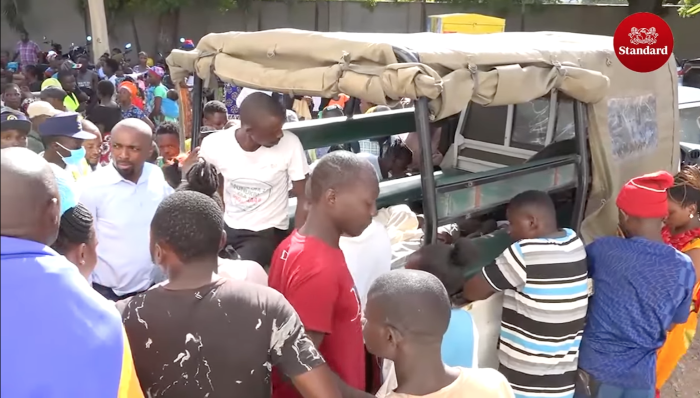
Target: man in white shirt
256 163
123 198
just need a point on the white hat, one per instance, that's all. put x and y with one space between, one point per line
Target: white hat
41 108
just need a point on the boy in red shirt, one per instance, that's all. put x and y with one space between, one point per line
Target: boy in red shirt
309 268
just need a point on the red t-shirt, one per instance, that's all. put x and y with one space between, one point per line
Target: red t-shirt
315 279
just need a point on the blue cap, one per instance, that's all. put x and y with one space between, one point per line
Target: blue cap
12 120
66 124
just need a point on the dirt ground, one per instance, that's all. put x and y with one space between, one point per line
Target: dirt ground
685 382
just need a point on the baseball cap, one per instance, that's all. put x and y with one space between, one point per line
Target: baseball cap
12 120
65 124
157 70
41 108
68 65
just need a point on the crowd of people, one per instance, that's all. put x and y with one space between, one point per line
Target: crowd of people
163 272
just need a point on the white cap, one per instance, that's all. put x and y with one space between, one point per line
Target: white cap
41 108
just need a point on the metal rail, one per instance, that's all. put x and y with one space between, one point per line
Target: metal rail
197 95
422 115
583 175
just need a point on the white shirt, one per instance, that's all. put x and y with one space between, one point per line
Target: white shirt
368 256
256 184
374 161
123 212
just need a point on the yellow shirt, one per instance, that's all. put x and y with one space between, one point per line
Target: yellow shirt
471 383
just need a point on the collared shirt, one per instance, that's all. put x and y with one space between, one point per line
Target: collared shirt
45 300
123 212
28 52
641 288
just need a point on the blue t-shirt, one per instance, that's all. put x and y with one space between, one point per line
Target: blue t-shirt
60 338
460 341
641 287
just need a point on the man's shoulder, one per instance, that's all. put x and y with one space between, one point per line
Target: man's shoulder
289 140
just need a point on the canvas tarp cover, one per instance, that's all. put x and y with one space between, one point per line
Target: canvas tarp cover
632 117
454 69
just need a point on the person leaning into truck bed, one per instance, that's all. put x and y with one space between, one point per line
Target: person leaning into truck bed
256 162
545 279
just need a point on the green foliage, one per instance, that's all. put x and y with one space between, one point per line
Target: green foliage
689 8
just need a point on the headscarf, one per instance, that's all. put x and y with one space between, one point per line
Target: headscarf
51 82
134 91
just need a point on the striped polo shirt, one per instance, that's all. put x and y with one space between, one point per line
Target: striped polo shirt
544 311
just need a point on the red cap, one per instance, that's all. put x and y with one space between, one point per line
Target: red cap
645 196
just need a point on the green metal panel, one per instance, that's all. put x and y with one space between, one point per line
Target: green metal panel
339 130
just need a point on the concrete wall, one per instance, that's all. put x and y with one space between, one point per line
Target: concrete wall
65 24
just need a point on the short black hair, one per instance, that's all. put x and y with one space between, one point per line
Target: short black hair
75 229
32 70
112 64
190 223
53 92
447 262
413 302
168 128
9 86
534 199
332 111
399 150
105 88
203 177
62 74
335 170
213 107
261 103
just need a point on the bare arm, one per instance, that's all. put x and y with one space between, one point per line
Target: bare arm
299 191
695 257
477 288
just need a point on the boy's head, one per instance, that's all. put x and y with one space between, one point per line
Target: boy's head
398 157
407 312
173 95
343 189
215 115
54 96
15 129
168 140
531 214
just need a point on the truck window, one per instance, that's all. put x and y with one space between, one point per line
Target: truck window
530 123
690 124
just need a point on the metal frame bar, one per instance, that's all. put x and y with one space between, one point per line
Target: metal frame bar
583 172
422 115
197 110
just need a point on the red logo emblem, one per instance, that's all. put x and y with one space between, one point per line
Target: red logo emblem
643 42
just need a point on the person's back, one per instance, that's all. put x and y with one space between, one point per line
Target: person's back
223 337
407 314
62 329
634 304
59 337
641 287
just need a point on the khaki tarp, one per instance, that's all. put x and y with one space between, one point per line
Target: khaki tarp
492 69
454 69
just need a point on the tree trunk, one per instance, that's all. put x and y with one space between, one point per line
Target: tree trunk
652 6
136 33
167 31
